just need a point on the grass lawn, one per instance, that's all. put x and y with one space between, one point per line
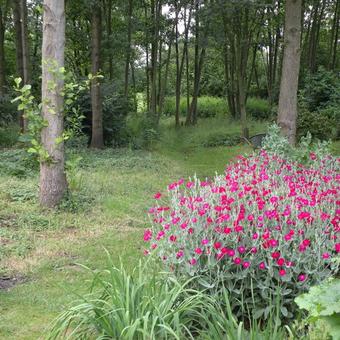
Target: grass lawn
112 191
114 188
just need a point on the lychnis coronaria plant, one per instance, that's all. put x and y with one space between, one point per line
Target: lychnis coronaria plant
265 230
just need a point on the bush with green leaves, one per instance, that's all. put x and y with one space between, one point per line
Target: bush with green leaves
8 111
320 124
321 89
221 140
17 163
323 303
276 144
9 135
206 107
115 112
258 108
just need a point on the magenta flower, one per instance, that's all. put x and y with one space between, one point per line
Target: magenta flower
157 196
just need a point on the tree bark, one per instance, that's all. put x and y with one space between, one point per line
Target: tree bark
97 140
155 14
178 78
52 175
165 78
3 14
128 49
287 112
22 48
109 33
334 36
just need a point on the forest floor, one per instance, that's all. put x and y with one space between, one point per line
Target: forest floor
40 251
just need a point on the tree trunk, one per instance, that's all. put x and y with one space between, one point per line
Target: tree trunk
165 78
109 33
155 14
178 79
334 36
97 140
2 51
147 70
52 175
128 49
287 112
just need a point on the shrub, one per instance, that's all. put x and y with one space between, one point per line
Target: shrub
320 124
266 228
258 108
115 111
323 303
9 136
276 144
206 107
321 89
221 140
17 163
8 110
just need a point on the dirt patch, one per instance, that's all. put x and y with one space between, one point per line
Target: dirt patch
7 282
8 221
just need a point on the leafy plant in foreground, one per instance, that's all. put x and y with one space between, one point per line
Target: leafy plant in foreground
323 302
137 306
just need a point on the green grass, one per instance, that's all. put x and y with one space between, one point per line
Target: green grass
107 211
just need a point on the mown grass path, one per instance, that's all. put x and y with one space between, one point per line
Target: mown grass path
108 210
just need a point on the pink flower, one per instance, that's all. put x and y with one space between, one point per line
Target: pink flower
193 261
246 264
275 254
217 245
237 260
288 237
198 251
262 265
282 272
241 249
280 261
157 196
231 252
180 253
302 277
337 247
326 256
306 242
205 241
184 225
172 238
312 156
190 185
147 235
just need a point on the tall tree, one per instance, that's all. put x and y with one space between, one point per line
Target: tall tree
22 47
334 36
287 112
156 9
3 19
128 48
97 140
52 175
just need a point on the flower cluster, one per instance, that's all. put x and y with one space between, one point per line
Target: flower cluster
266 219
